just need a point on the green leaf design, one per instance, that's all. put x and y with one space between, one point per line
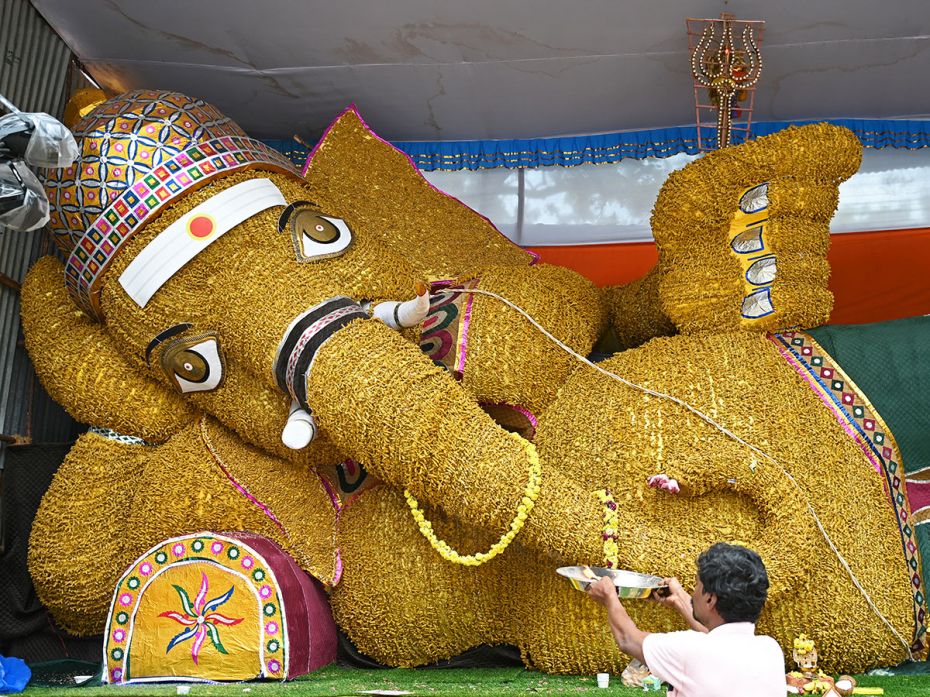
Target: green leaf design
185 601
215 638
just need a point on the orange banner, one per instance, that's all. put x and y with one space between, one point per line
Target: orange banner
875 275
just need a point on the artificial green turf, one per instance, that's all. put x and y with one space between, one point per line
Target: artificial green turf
331 681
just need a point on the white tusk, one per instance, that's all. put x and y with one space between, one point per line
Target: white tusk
300 428
403 315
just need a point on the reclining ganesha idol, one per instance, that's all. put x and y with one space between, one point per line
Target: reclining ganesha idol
245 341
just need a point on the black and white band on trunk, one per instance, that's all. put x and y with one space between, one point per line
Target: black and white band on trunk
304 338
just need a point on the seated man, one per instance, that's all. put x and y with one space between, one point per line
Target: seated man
721 655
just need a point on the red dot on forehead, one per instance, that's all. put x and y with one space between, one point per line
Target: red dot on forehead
200 226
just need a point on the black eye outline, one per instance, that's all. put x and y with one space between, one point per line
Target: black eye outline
289 211
164 336
187 345
287 219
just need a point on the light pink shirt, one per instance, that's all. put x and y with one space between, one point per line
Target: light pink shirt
728 661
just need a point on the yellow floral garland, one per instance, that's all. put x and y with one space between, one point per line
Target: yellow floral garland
611 550
523 510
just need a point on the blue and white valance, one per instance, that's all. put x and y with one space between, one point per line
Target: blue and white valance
608 148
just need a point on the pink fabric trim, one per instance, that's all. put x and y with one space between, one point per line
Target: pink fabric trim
466 320
526 412
530 416
334 499
242 490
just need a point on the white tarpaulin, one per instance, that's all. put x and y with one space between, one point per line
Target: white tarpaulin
494 69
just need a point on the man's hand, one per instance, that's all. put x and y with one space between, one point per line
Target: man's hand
678 600
675 596
604 592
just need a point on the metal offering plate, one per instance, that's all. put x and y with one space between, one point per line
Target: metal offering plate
630 584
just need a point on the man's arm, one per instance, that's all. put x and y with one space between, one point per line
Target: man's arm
628 636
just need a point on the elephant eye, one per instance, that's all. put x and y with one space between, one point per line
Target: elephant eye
315 236
190 366
194 363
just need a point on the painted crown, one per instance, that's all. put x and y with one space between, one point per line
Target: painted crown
138 152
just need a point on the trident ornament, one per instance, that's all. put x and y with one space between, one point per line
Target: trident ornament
725 70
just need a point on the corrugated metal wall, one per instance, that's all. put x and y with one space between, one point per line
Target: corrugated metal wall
33 74
34 63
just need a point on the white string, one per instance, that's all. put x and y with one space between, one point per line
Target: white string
722 429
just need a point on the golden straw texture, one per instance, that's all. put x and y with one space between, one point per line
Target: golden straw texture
80 366
380 193
404 605
211 475
635 311
247 287
698 282
701 284
141 495
414 426
508 361
379 400
77 547
730 494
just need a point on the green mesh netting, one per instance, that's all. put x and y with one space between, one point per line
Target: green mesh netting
890 362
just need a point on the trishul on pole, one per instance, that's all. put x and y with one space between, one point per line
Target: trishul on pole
727 73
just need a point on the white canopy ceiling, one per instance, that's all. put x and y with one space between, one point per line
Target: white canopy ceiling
494 69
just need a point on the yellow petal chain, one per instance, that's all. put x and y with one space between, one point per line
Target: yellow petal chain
530 494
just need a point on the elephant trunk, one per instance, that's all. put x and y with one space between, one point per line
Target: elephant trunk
383 403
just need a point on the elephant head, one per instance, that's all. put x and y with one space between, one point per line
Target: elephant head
209 279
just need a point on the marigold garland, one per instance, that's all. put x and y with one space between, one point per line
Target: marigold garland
523 511
611 525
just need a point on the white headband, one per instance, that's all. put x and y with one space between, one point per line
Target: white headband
192 233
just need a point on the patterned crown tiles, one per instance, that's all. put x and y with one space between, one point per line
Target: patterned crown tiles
138 151
123 140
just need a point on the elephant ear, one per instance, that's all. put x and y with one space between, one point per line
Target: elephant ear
379 191
743 235
81 368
